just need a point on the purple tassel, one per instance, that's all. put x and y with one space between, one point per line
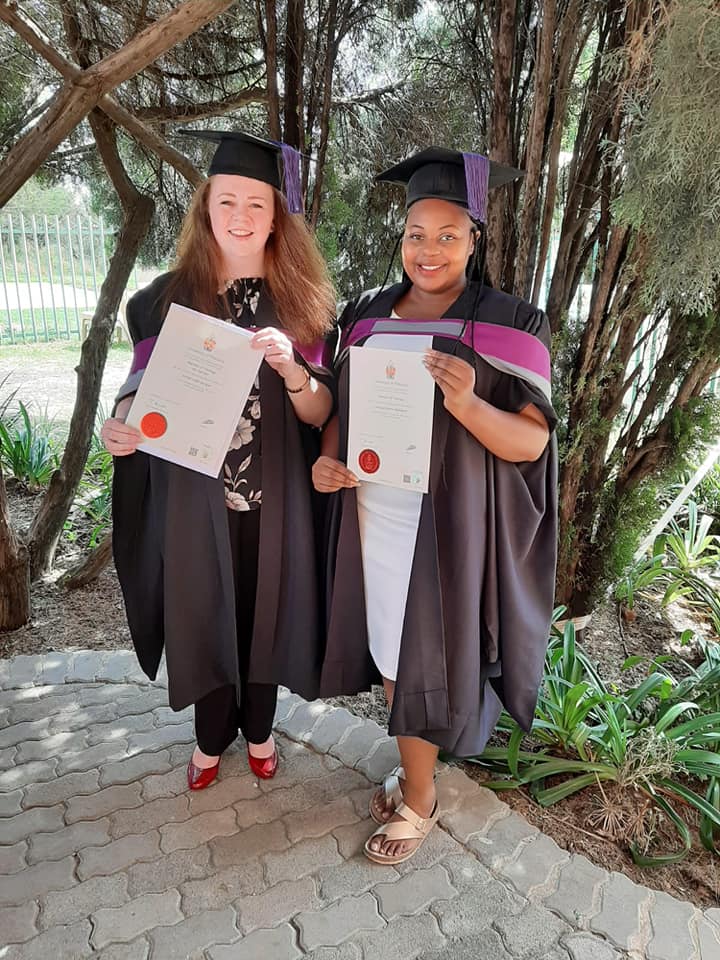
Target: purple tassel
291 179
477 176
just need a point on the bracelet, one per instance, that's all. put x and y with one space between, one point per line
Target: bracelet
308 378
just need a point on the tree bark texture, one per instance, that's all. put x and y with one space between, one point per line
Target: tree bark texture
14 571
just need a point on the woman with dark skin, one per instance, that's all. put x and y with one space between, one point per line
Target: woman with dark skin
415 546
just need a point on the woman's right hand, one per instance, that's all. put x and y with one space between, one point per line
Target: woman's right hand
329 475
118 438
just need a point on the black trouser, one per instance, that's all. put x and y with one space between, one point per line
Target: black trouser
218 715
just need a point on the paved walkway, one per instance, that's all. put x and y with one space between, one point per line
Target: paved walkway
104 853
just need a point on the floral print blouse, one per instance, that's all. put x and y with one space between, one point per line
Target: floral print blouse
242 472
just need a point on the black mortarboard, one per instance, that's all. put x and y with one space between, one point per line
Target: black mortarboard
244 155
463 178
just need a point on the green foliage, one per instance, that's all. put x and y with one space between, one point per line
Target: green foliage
94 499
58 200
28 449
672 189
654 740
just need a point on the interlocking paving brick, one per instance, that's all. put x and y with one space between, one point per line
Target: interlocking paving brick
8 758
286 704
338 922
24 774
381 760
278 944
351 839
121 728
192 833
331 727
313 823
24 671
709 940
577 890
222 793
56 667
62 788
248 843
402 939
619 917
533 933
80 901
350 880
23 711
33 882
120 665
413 892
223 886
301 721
165 715
478 813
18 923
484 946
303 767
465 871
92 757
346 951
60 744
123 924
301 859
670 920
85 665
129 697
83 718
118 855
503 839
134 768
169 872
170 784
64 942
55 846
438 846
137 950
149 816
11 803
279 903
158 738
534 864
25 824
358 743
583 946
191 936
474 910
13 858
104 802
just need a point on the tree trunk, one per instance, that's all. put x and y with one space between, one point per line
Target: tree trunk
294 57
271 66
48 522
76 98
14 571
331 48
500 133
91 567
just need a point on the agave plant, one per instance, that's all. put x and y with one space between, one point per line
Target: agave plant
585 735
27 448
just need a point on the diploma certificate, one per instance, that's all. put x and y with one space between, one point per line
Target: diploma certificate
194 389
391 413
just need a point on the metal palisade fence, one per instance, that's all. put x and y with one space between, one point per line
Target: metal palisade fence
51 271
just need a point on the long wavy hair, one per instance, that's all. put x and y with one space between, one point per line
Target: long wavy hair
296 276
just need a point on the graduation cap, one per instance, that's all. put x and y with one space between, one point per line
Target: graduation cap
245 155
462 178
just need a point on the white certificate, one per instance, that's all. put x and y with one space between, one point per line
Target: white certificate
194 389
391 413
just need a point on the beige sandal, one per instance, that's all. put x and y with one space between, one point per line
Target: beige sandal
393 793
411 827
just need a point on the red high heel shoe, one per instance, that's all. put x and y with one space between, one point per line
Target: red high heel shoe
264 767
200 777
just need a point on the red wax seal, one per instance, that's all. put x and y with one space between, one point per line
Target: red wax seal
369 461
153 425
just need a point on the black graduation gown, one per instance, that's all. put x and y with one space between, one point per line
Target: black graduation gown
172 548
482 583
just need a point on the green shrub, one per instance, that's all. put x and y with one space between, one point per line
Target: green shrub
28 448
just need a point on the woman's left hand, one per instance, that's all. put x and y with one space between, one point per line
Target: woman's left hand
278 350
455 377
